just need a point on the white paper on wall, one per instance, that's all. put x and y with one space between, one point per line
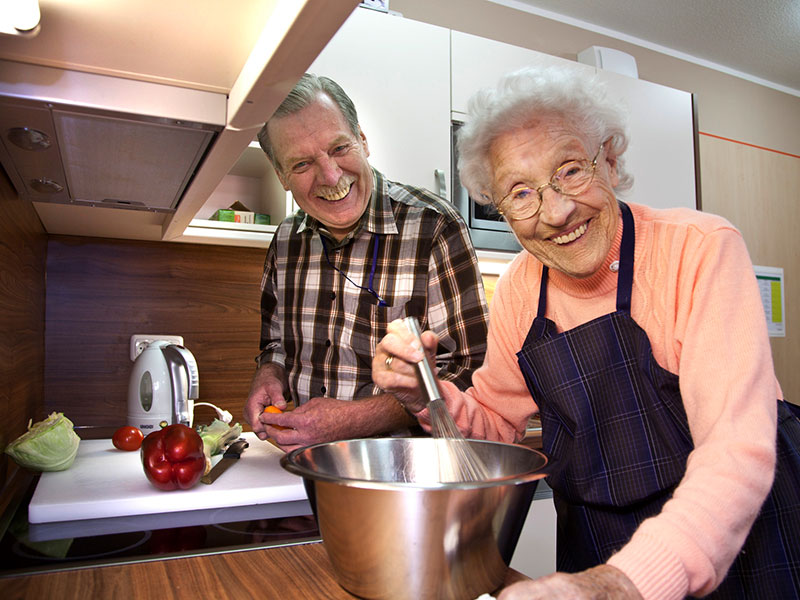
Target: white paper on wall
770 283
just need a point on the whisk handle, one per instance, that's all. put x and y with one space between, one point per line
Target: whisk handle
427 380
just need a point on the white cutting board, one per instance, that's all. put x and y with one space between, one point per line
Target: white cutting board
106 482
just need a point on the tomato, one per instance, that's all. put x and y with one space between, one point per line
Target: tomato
274 409
127 438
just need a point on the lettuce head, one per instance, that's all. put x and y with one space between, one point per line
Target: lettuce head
49 445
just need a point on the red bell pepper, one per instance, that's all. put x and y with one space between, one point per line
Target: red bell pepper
173 457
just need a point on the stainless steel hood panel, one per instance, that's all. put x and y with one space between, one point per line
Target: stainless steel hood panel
141 154
124 161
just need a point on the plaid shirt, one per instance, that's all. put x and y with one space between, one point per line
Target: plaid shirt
323 329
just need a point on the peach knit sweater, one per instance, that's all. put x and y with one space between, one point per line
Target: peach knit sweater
695 295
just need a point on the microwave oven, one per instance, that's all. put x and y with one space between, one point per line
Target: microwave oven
487 228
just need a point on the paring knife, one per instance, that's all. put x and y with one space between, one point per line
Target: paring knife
232 454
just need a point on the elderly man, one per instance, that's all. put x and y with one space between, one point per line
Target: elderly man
360 252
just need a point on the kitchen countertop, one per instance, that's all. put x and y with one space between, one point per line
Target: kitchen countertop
292 571
297 572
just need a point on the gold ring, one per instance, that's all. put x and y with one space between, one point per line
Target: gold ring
388 361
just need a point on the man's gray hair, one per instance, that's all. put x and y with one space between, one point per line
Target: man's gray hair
304 93
523 96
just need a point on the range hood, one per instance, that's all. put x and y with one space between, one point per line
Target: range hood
82 135
83 138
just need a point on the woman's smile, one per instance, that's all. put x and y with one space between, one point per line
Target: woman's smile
566 238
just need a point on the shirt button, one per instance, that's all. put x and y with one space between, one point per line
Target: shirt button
614 266
333 295
323 389
327 343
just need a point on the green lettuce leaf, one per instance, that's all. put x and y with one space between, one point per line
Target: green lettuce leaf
218 436
49 445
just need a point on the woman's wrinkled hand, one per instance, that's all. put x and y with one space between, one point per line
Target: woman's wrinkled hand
603 582
394 364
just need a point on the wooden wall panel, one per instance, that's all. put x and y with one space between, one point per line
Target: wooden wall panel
758 190
102 291
23 248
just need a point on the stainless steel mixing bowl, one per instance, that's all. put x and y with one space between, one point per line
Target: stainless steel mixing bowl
392 530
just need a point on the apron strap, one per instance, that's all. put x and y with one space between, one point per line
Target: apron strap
539 323
543 293
625 274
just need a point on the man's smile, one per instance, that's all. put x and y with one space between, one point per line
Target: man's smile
332 194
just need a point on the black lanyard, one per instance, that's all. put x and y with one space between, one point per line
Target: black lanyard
370 289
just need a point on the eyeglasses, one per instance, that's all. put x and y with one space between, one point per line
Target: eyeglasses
570 179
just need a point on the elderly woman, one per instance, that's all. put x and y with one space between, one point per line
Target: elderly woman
639 337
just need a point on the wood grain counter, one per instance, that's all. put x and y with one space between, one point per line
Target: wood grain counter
293 572
298 572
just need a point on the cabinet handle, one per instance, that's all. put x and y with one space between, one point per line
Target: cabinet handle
441 183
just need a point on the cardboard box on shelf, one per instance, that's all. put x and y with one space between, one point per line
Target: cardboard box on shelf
238 213
223 214
241 216
238 216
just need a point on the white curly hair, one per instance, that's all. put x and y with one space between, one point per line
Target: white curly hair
530 93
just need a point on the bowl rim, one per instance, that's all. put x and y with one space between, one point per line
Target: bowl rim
288 462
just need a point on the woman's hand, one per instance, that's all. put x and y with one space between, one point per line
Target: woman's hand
603 582
394 364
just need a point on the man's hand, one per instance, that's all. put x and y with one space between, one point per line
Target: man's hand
603 582
318 420
267 388
328 419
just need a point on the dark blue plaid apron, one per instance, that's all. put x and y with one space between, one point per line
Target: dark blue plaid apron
614 427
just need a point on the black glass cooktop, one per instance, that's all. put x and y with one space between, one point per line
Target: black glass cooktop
27 548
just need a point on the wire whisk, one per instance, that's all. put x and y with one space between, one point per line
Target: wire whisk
458 461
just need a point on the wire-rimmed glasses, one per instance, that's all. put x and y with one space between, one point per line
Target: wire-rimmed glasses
570 179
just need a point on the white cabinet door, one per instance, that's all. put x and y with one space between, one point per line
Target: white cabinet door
661 154
479 62
535 555
397 72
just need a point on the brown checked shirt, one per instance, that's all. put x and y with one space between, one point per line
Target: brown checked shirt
321 322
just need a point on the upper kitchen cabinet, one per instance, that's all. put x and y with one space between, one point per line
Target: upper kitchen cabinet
397 72
660 119
662 132
129 114
479 62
